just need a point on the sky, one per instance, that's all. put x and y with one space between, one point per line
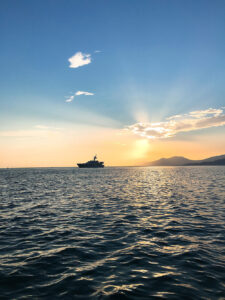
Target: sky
132 81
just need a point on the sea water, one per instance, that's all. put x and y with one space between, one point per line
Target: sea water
112 233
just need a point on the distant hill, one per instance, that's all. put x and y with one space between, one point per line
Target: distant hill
218 162
213 158
183 161
172 161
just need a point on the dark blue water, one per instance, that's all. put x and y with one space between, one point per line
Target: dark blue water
113 233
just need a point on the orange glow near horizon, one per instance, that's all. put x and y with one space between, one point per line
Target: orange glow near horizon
65 148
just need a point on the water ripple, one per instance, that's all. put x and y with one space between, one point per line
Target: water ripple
115 233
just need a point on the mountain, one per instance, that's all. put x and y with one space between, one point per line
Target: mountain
172 161
183 161
217 162
213 158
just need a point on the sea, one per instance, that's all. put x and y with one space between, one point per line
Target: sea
112 233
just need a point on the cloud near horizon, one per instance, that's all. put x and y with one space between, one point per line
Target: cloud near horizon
38 131
194 120
44 127
79 59
78 93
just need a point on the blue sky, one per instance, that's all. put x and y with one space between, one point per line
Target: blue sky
158 58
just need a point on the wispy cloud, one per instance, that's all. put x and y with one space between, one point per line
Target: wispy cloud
39 131
79 59
70 99
78 93
83 93
194 120
41 126
98 51
44 127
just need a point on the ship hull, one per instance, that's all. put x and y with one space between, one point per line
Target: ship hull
90 166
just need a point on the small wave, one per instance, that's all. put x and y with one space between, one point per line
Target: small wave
122 233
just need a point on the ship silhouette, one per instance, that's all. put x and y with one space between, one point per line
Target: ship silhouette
92 163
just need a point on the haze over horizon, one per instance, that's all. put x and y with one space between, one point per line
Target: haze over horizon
131 81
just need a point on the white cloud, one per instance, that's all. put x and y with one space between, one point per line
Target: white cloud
70 99
78 93
79 59
195 120
207 112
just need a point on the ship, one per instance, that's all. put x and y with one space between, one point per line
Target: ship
92 164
